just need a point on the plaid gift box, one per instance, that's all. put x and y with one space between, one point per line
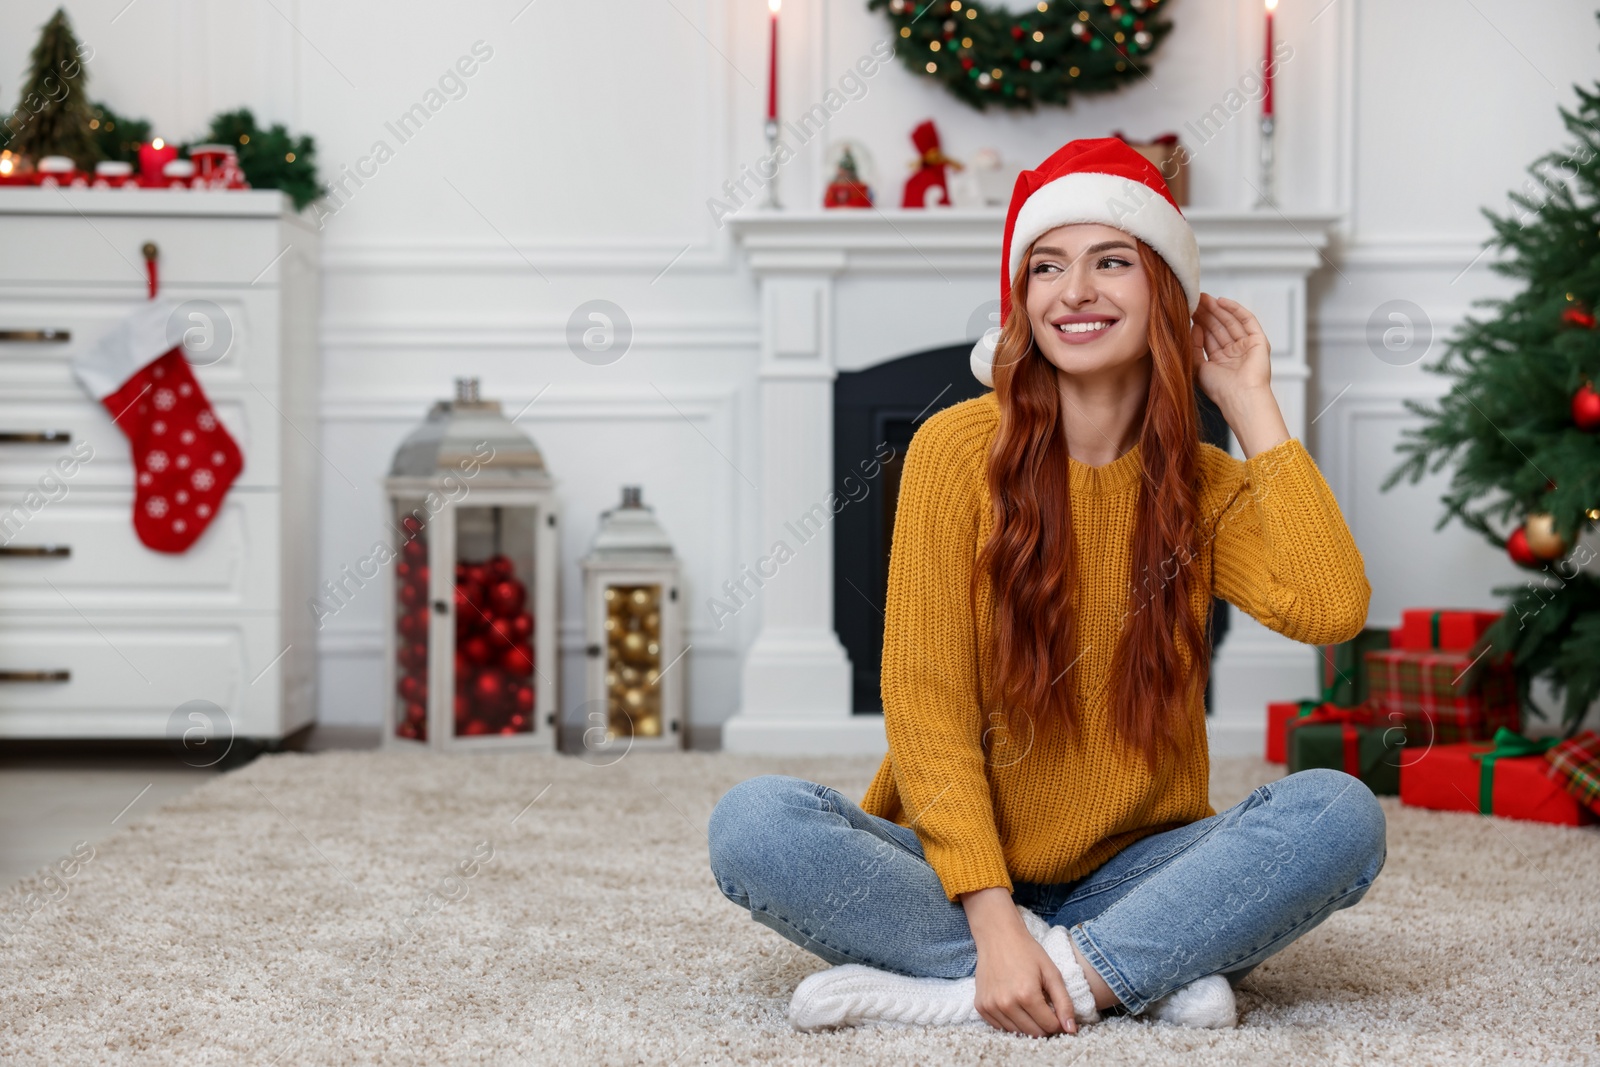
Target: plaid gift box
1426 691
1506 777
1424 628
1576 762
1342 668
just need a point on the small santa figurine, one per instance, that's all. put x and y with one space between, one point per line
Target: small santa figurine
927 188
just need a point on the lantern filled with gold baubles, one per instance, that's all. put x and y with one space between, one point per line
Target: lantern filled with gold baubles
472 589
633 614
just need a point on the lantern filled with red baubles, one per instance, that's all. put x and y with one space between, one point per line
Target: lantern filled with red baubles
634 623
472 627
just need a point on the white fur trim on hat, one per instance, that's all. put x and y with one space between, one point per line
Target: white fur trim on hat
983 356
1128 205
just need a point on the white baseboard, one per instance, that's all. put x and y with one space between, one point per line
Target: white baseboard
851 735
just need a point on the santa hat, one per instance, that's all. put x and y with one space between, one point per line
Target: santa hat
1094 180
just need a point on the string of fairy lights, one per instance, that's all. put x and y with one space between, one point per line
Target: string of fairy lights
989 56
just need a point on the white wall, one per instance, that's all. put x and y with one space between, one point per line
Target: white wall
578 165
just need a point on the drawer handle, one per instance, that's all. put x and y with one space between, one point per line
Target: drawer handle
35 676
34 437
53 551
53 337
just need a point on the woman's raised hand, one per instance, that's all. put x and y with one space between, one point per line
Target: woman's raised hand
1233 365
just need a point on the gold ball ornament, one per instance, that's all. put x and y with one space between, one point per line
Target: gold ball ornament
634 698
641 598
1543 541
634 643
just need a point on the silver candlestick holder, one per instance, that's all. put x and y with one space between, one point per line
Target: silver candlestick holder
1265 196
771 201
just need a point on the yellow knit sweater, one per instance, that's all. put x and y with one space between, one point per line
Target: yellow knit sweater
988 806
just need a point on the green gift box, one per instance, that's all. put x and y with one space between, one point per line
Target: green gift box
1346 739
1342 668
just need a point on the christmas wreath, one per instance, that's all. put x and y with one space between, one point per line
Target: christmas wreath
986 55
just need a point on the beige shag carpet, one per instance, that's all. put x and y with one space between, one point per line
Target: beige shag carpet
343 908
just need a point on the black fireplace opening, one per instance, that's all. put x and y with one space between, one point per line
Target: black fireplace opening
875 413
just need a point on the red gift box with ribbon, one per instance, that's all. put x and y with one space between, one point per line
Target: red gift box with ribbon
1442 628
1443 696
1508 777
1279 714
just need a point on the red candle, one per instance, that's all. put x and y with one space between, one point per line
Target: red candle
772 64
1266 74
152 157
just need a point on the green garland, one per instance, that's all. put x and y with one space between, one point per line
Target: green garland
271 158
1062 49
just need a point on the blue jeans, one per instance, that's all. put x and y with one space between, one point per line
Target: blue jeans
1216 896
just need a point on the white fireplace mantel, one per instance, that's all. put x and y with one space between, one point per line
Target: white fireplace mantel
847 289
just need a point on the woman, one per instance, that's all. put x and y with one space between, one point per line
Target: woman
1038 846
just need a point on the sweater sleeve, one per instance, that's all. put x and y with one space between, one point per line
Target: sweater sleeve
1281 551
931 709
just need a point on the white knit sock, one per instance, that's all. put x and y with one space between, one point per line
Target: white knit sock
1058 946
1205 1002
857 995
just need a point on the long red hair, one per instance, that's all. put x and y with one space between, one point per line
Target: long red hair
1029 556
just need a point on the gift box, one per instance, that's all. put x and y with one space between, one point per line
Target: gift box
1350 740
1576 762
1425 628
1437 699
1342 668
1508 777
1279 714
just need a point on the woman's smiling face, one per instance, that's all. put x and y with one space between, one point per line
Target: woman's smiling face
1088 298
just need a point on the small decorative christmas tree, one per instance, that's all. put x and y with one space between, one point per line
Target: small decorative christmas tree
53 114
1522 421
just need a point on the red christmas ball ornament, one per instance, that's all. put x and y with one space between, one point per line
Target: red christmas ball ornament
502 633
411 524
468 598
412 688
517 661
412 594
489 687
508 729
403 569
478 573
416 713
500 566
507 597
1578 317
522 626
478 650
1586 408
414 552
407 731
1517 548
414 624
518 723
476 727
524 699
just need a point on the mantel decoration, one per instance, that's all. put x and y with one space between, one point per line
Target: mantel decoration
472 627
633 618
986 55
54 136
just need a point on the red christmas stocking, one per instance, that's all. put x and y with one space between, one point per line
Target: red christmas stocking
183 458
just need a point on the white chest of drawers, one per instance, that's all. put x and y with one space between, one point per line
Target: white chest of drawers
101 637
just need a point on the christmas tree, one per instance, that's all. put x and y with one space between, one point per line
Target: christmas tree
1522 421
53 113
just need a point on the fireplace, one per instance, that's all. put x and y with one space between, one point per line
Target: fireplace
842 293
884 405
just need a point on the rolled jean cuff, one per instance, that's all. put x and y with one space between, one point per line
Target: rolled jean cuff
1108 973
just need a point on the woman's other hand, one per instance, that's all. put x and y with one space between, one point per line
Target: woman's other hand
1019 988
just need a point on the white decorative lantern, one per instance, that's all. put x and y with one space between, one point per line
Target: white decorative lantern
472 629
633 612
